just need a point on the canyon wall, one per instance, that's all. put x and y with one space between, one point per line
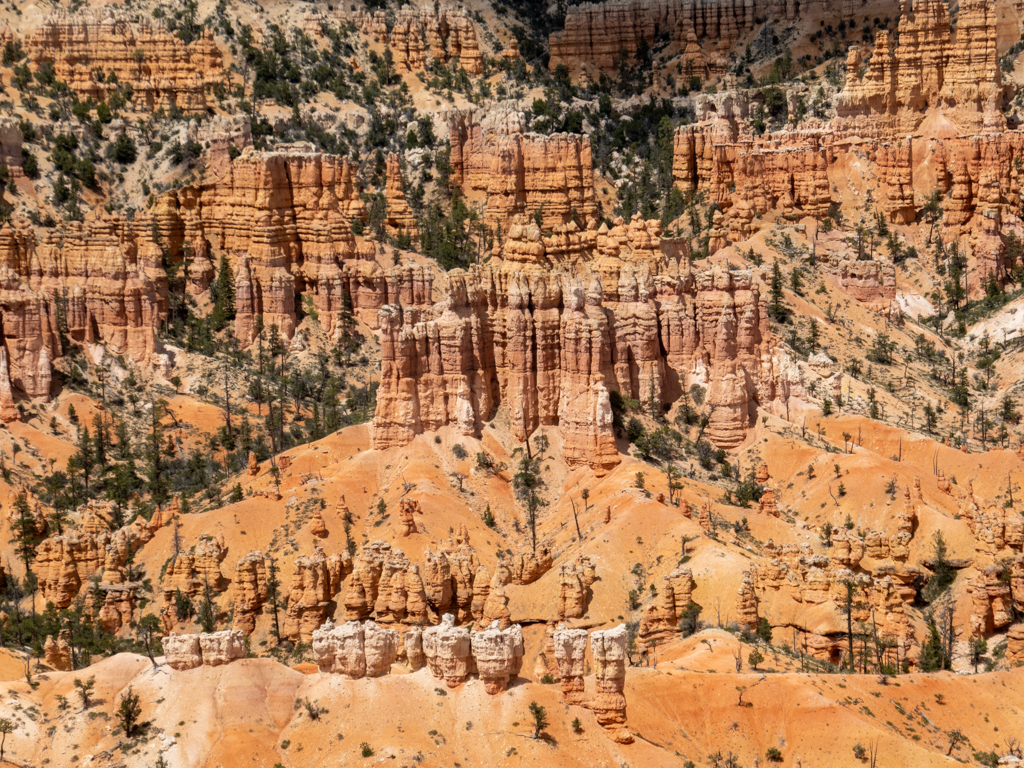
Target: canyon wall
167 74
521 172
101 282
557 322
932 66
444 34
705 31
283 218
749 176
597 33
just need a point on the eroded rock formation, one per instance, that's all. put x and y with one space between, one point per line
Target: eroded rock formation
521 172
570 656
314 582
498 655
598 34
661 619
932 66
210 649
250 591
574 582
168 74
608 648
355 649
551 346
448 651
400 218
418 36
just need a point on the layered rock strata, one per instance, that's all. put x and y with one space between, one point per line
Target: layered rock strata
521 172
570 656
444 35
932 66
168 74
498 655
417 37
448 651
549 345
661 619
104 276
599 34
314 583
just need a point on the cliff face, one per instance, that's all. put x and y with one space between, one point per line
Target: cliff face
419 36
169 73
548 341
283 219
103 278
520 172
598 33
444 34
750 176
932 66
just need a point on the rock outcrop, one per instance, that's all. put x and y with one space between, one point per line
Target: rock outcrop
106 273
598 34
400 218
931 67
444 34
57 653
448 651
355 649
661 619
608 648
574 582
182 652
522 173
317 526
222 647
168 74
498 655
250 591
570 656
314 583
214 649
1015 646
550 348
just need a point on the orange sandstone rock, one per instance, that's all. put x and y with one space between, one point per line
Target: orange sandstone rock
932 66
497 655
1015 646
316 524
522 172
570 655
168 74
309 597
609 704
448 651
400 217
57 653
249 587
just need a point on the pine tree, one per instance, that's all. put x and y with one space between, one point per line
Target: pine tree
24 537
101 442
273 595
776 308
223 295
85 455
932 657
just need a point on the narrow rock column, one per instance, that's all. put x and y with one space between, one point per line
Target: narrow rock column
570 655
609 704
